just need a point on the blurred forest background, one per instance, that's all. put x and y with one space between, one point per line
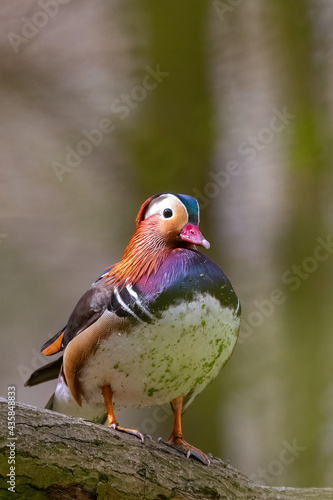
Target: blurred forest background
103 104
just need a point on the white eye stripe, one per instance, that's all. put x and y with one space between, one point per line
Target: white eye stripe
158 206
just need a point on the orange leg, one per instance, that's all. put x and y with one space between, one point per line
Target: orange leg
112 422
107 395
177 433
176 437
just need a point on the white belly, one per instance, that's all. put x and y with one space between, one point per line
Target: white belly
178 354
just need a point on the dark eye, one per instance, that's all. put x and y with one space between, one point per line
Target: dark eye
167 213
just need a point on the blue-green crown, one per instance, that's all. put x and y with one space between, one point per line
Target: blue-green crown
191 206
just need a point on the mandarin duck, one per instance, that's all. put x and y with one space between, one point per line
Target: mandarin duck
154 328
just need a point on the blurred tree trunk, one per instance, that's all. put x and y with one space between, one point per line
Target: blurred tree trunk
170 146
307 328
249 177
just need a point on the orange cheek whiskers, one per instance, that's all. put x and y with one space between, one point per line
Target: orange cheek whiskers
143 255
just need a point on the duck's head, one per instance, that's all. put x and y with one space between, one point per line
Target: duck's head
175 217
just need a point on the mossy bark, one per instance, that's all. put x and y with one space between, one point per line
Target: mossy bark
57 456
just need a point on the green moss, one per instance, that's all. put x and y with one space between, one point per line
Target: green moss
151 391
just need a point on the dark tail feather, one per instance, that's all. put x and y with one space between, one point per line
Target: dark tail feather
45 373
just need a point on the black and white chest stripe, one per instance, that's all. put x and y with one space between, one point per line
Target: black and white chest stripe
126 301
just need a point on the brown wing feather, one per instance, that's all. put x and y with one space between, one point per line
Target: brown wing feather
88 309
84 345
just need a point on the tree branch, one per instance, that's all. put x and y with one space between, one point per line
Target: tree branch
57 456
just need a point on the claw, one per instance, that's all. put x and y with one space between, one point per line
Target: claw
181 445
195 452
188 449
133 432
